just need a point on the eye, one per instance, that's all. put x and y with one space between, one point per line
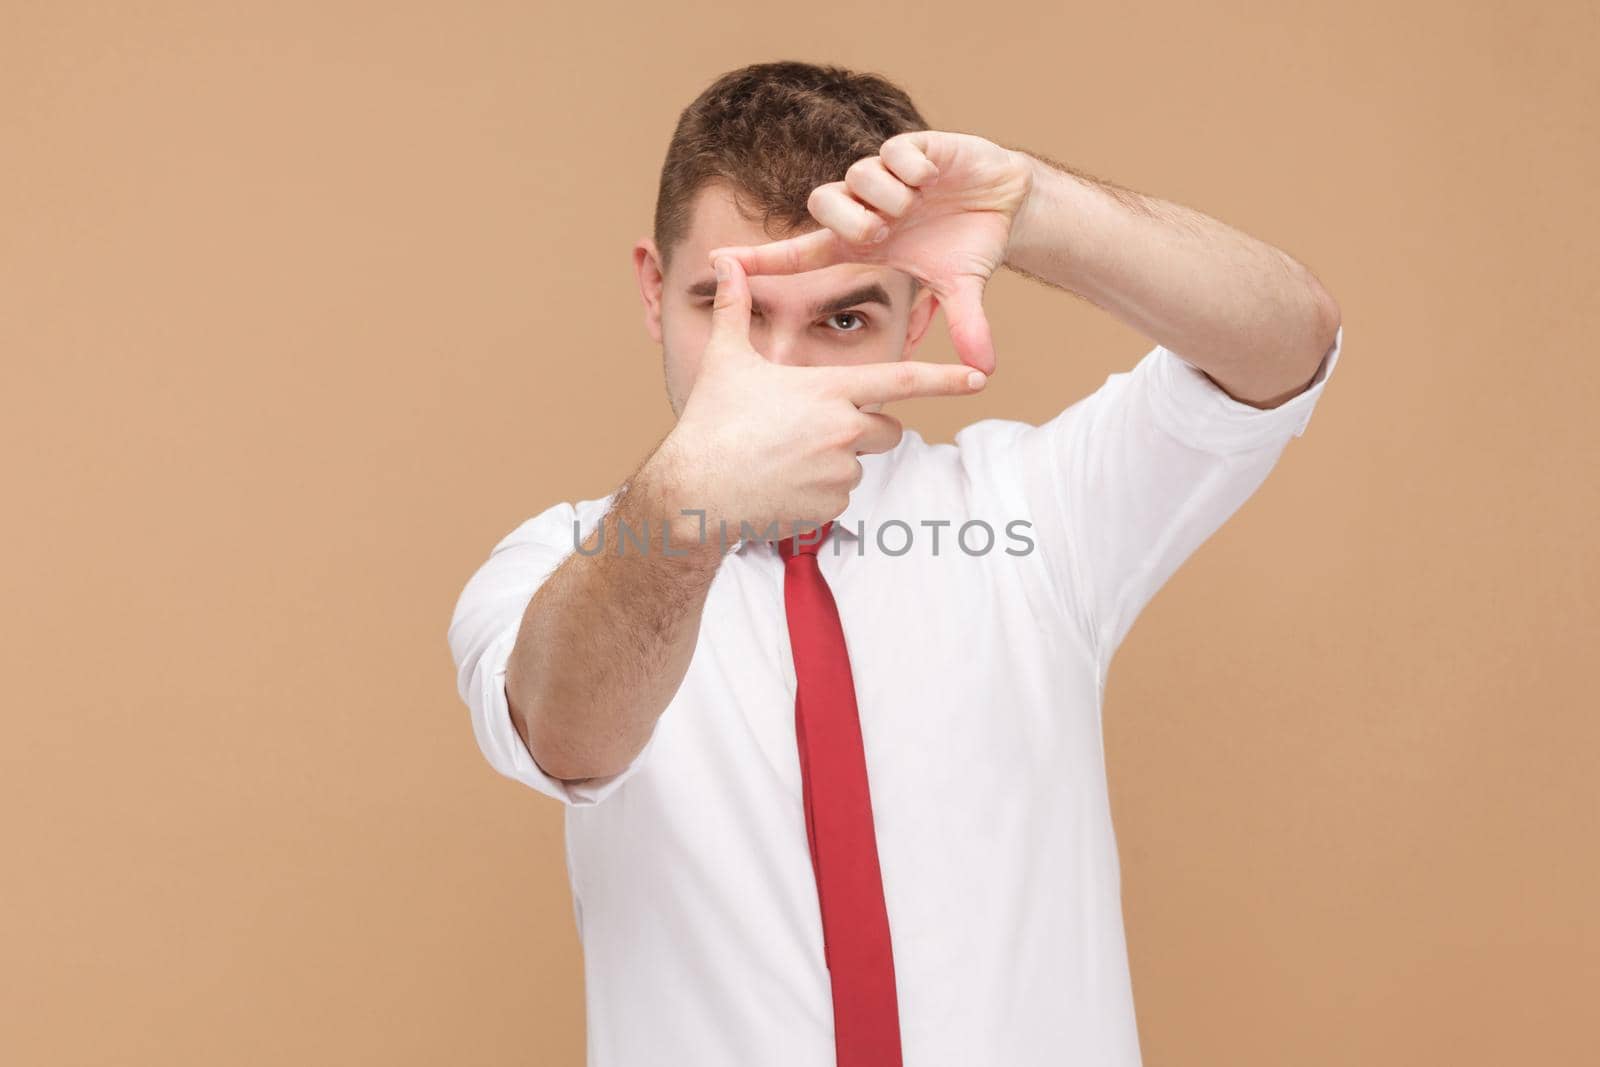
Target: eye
707 305
857 316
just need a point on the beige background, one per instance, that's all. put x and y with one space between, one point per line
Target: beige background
304 306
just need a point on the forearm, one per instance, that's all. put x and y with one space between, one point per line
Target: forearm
1254 319
607 638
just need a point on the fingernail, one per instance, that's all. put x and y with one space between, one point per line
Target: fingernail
722 268
880 235
976 379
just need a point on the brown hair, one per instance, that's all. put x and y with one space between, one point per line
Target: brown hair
774 132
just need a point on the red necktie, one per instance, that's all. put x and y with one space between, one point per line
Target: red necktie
838 806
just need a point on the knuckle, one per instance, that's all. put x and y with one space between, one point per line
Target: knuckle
812 386
842 435
791 260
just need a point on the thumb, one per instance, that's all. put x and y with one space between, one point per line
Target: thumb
969 326
730 311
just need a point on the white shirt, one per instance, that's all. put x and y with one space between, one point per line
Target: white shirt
979 679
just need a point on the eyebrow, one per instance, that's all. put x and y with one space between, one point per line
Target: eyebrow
871 293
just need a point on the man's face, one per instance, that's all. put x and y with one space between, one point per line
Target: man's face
845 314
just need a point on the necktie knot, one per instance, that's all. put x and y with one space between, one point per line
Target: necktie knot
806 542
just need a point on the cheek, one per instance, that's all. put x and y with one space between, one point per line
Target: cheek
885 347
683 339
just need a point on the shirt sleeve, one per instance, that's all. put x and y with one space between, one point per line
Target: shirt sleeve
1128 482
484 628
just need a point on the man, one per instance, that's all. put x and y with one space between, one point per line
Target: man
837 795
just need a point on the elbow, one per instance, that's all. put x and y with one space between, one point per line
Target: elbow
551 758
556 768
537 737
552 744
1326 319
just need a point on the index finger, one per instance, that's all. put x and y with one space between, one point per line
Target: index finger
793 255
873 383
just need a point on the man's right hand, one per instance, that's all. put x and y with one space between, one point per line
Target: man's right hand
775 446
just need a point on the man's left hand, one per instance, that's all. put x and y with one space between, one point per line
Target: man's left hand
938 206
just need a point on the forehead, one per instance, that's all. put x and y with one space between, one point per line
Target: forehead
715 221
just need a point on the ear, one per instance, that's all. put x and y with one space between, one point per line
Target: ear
923 307
647 265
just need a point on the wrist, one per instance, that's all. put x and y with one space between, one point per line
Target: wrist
1025 223
665 493
1050 229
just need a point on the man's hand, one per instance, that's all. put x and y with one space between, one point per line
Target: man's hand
938 206
765 443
